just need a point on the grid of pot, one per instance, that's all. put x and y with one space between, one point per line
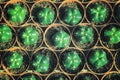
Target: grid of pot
60 40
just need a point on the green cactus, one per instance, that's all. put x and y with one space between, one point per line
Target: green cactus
61 39
46 16
113 34
41 63
71 16
30 36
99 58
17 13
85 35
14 60
72 60
5 33
98 12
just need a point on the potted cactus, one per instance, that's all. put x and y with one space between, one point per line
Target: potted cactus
84 37
58 76
71 12
16 13
57 37
7 36
110 36
15 61
98 12
43 13
30 37
44 61
99 60
86 76
71 61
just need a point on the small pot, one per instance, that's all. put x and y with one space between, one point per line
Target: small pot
30 37
99 12
71 61
99 60
44 13
15 61
71 12
84 36
44 61
16 13
57 37
109 36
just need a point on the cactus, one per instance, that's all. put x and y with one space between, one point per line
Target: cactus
30 36
61 39
17 13
46 16
41 63
98 12
70 15
72 60
5 33
84 35
113 34
99 58
14 60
